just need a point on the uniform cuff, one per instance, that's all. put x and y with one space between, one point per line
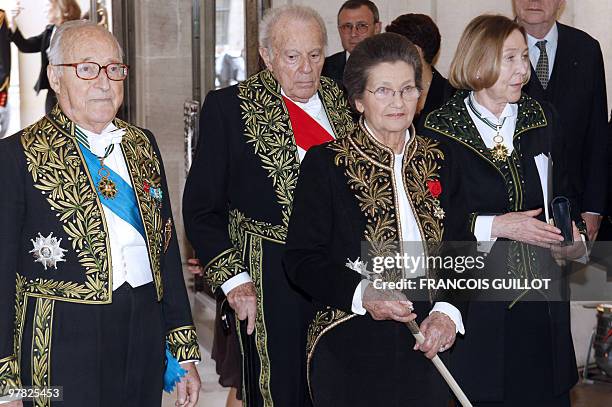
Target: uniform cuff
183 344
235 281
452 312
482 231
357 304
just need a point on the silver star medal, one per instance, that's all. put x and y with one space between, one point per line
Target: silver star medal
47 250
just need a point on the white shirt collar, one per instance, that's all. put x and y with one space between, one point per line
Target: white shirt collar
552 37
313 106
510 110
406 139
99 142
552 41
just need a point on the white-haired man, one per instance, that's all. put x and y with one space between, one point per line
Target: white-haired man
92 295
239 192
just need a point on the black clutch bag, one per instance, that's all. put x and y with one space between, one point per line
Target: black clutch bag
561 212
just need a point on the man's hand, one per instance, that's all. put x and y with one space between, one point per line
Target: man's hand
188 389
593 221
16 403
387 305
243 300
194 266
439 332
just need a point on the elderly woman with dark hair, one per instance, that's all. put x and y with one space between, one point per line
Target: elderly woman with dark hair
517 352
379 185
421 30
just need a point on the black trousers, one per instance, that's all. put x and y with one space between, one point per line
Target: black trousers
101 355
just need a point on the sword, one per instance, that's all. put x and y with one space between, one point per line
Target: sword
446 374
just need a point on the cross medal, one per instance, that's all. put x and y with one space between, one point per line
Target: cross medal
499 150
106 186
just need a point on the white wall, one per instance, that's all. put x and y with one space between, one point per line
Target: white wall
592 16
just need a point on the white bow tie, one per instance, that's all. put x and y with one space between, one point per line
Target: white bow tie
99 142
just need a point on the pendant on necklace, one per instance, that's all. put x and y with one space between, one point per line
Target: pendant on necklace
106 186
499 152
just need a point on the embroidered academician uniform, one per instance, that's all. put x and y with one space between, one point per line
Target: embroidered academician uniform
237 204
91 283
521 353
352 191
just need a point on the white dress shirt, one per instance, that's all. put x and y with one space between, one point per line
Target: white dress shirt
314 108
484 224
411 235
552 39
129 255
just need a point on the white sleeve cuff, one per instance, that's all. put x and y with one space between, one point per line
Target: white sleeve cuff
357 306
235 281
482 231
452 312
195 362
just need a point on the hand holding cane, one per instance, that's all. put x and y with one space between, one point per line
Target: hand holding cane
448 377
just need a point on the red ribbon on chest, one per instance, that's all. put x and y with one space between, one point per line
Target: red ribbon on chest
306 130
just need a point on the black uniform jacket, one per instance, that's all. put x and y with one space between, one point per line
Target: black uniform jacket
346 195
497 357
47 190
236 206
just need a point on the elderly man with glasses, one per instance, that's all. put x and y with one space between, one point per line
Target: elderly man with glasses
92 296
357 20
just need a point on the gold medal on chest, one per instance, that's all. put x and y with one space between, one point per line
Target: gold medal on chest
106 186
499 152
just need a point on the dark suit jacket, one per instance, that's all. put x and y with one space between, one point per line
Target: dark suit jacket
577 90
334 66
440 91
31 45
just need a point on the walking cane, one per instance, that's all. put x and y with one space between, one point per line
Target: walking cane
249 370
448 377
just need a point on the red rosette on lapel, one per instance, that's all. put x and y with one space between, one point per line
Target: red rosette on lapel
435 189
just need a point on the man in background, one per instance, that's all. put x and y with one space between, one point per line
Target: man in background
357 20
568 72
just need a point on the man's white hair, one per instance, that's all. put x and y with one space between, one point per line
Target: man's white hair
292 11
68 32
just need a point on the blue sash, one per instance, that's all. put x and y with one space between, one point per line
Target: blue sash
124 204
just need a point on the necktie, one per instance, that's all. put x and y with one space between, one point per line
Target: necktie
542 66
